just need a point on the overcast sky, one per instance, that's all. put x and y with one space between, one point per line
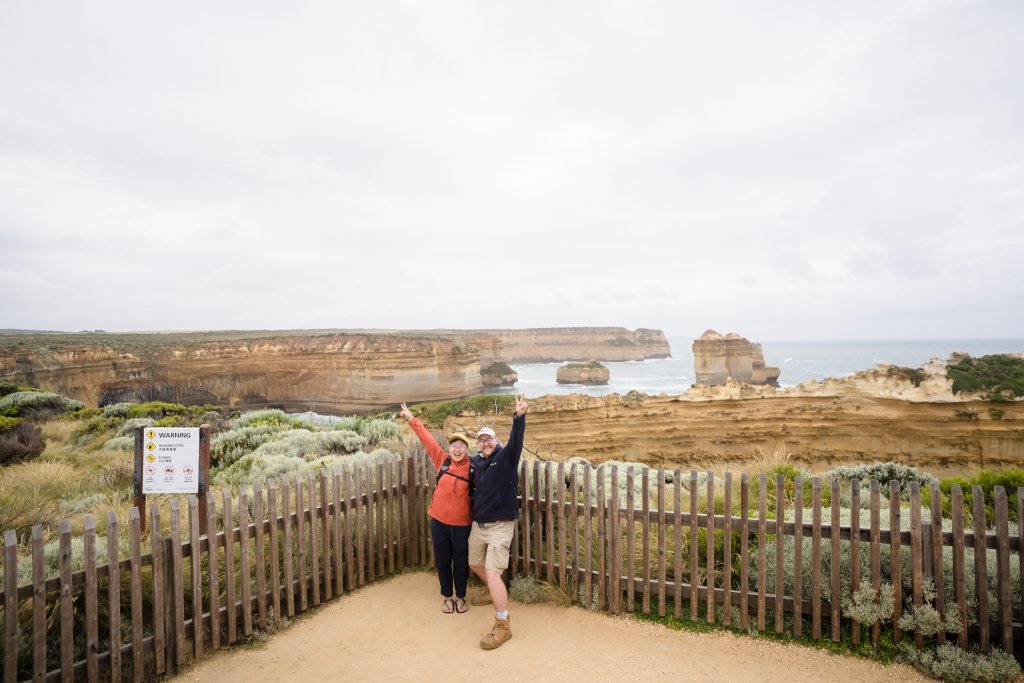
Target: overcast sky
785 170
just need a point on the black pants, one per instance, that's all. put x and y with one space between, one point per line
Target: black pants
451 555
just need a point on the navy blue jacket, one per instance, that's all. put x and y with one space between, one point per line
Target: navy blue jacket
497 478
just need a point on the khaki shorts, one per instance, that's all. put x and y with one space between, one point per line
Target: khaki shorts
489 544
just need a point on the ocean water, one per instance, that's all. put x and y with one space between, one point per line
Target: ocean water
798 361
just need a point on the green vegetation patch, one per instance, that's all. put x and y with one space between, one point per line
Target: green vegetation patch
37 404
998 377
498 368
437 413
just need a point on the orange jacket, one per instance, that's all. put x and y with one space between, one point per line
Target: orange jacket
451 504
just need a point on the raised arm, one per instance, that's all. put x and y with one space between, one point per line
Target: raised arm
436 453
514 448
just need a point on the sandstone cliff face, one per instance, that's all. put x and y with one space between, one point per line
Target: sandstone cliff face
498 375
592 373
331 373
736 434
716 358
556 344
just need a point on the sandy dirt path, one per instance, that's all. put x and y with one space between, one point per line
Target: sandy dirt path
395 631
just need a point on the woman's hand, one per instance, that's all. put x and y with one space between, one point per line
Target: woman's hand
406 413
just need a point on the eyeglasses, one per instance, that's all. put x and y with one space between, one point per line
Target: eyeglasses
484 440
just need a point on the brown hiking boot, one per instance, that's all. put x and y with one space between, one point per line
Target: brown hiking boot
481 598
501 632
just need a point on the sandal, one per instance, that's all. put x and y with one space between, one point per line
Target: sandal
448 606
460 605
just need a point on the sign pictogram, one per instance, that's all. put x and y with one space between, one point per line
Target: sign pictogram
173 457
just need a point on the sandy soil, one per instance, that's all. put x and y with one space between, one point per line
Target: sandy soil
395 631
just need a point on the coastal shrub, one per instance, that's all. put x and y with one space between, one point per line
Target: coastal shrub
378 430
883 473
226 447
998 377
117 410
527 590
307 445
130 425
29 493
996 413
52 557
120 443
927 620
37 404
7 388
949 663
157 409
347 422
1010 479
271 417
866 605
19 441
790 474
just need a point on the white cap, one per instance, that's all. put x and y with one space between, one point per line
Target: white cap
486 431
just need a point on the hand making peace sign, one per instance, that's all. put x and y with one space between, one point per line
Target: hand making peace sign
406 413
520 405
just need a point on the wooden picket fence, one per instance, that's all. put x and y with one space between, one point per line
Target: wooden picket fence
289 546
292 544
575 533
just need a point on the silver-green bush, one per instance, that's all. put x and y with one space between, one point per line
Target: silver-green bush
129 426
25 403
120 443
949 663
379 429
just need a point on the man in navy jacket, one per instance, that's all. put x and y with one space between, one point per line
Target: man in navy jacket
495 511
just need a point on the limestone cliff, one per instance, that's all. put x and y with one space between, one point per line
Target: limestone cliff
818 432
498 375
329 372
716 358
557 344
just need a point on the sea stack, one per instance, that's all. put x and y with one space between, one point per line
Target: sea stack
498 375
592 373
717 358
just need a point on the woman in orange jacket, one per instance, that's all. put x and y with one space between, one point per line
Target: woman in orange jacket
450 513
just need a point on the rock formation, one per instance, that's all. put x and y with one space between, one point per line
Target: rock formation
498 375
718 358
332 373
592 373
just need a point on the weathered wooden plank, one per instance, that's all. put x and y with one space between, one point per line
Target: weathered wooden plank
275 551
630 558
244 565
645 538
876 551
896 572
916 554
389 518
1002 520
710 548
563 568
314 545
1020 538
67 615
159 609
959 559
780 550
798 556
538 520
602 540
980 568
834 564
614 522
379 504
288 553
855 552
371 562
938 575
526 508
300 542
10 606
661 542
135 545
39 600
229 567
177 585
213 562
762 579
336 526
549 514
574 532
260 564
816 560
677 528
346 505
727 551
92 628
400 499
588 535
196 574
357 525
744 551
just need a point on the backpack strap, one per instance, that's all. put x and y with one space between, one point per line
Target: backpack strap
446 465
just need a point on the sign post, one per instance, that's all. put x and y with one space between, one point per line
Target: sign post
172 460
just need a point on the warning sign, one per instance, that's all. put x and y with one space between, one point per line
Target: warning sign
174 456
